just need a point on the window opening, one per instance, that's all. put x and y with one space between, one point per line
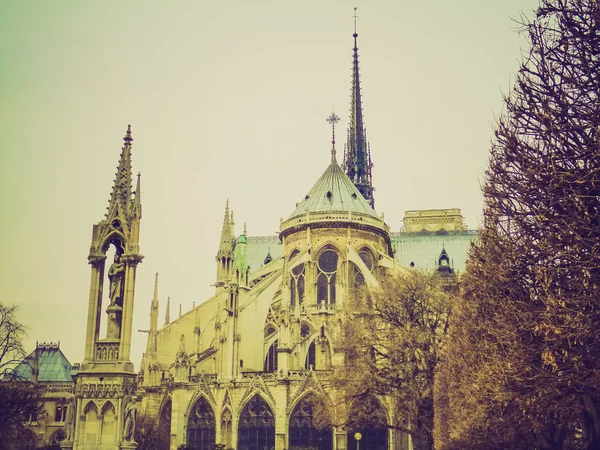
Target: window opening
271 359
327 264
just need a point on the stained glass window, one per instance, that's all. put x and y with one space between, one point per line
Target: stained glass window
201 426
256 429
327 264
303 432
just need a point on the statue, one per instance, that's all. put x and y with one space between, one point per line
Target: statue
70 420
116 275
129 425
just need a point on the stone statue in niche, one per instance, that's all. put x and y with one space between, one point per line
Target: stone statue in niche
129 424
116 275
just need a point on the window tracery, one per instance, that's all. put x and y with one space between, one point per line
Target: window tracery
201 426
327 265
256 426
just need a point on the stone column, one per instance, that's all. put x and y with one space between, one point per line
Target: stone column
131 262
94 306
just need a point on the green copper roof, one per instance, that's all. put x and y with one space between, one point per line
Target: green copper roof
48 361
333 192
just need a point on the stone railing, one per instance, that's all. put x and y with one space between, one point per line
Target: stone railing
358 218
208 377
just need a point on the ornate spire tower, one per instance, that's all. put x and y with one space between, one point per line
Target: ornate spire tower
357 155
107 370
224 256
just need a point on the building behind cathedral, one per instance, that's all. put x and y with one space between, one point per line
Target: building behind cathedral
246 367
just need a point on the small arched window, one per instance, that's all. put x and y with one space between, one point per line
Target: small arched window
297 283
327 264
271 359
311 357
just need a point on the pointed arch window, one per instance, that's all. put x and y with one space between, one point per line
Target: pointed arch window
164 427
297 282
256 430
271 359
201 427
371 423
303 433
327 265
311 357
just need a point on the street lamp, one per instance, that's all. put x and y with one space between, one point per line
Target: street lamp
358 437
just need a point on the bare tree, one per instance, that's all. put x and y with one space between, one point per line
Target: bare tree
392 339
11 336
524 346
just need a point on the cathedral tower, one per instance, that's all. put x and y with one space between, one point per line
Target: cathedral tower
107 380
357 155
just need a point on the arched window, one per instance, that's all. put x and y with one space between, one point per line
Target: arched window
303 433
297 283
327 264
164 427
271 359
368 417
256 430
311 357
201 427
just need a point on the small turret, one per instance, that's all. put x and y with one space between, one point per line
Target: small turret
151 347
225 255
168 312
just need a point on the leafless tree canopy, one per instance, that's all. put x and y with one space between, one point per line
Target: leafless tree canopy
523 356
392 340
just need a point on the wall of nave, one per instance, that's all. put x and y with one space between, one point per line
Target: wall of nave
261 411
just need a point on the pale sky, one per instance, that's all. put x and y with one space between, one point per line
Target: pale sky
225 100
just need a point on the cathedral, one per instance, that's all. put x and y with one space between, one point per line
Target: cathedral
245 368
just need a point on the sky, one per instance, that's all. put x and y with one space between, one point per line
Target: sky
226 100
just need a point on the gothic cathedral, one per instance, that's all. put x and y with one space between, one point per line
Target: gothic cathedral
246 368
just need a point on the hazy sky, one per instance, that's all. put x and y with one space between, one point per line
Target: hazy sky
226 100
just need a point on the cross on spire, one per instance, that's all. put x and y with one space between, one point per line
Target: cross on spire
333 119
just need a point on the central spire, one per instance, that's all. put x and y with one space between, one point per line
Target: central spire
357 155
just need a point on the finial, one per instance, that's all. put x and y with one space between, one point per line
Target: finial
355 17
180 310
156 285
333 119
168 313
245 231
128 137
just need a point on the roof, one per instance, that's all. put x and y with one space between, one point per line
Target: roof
258 249
334 191
51 364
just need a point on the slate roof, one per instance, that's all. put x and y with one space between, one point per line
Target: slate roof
333 192
51 363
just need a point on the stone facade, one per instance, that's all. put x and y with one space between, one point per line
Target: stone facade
245 368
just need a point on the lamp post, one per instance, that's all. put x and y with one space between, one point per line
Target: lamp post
358 437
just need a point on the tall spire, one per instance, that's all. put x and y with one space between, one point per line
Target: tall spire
152 344
168 313
121 193
357 159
